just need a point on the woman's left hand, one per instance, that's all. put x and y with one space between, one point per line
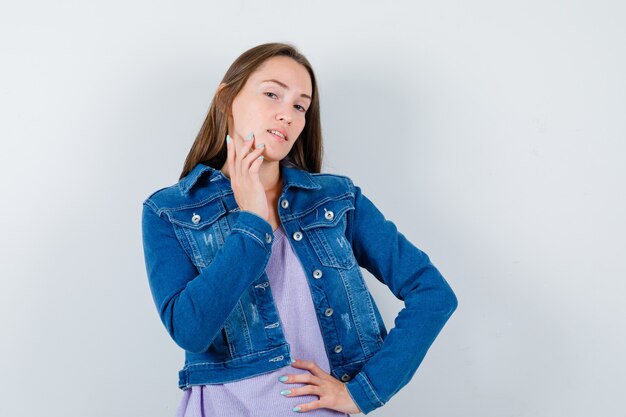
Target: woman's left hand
332 392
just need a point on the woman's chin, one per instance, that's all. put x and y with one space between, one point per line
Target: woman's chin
269 156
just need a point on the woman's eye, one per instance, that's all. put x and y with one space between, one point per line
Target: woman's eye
302 109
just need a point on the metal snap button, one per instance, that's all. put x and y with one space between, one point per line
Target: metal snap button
328 312
345 377
329 214
338 348
284 204
268 237
297 236
195 219
317 274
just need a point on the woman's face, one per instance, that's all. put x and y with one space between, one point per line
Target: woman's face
264 105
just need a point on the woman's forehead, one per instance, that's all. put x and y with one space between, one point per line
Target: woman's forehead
285 71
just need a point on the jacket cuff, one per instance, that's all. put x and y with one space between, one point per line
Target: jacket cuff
363 393
255 226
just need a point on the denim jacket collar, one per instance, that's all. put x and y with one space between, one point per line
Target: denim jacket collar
292 176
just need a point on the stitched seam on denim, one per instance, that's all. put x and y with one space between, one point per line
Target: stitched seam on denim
153 206
188 206
344 365
191 182
291 216
338 218
375 323
319 203
357 323
273 367
238 358
346 179
364 376
249 234
223 230
372 314
350 215
246 335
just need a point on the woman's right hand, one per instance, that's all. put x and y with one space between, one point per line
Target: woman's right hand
243 169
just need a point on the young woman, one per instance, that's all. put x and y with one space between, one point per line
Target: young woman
253 259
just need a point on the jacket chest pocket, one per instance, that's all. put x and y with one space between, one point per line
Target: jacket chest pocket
325 227
201 230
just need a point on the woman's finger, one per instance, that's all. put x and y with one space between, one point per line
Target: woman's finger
251 157
242 152
300 391
254 167
305 378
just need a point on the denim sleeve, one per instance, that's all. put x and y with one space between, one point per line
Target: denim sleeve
194 306
428 303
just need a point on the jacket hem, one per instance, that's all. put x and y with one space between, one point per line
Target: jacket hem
205 373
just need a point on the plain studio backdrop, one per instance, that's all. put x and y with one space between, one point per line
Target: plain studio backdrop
491 132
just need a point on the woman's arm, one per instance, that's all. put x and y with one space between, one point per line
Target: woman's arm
428 303
193 307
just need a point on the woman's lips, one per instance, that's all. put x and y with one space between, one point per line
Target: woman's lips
278 138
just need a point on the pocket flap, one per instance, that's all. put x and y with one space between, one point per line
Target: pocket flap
326 214
200 216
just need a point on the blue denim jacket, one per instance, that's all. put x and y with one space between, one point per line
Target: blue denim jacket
206 260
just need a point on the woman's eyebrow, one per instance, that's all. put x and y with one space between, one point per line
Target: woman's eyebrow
285 86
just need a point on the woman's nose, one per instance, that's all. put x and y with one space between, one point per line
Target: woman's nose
284 115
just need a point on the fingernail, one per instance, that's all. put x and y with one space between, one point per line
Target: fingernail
293 361
260 157
285 392
260 145
283 378
296 408
227 138
250 135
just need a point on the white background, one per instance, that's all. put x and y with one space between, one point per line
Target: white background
491 132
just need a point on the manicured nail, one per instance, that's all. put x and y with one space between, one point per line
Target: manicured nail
293 361
283 378
285 392
250 135
296 408
227 138
260 145
260 157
